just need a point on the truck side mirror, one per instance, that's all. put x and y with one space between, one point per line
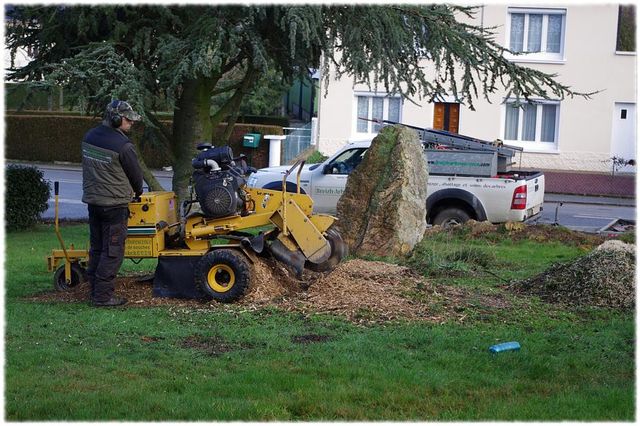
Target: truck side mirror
326 169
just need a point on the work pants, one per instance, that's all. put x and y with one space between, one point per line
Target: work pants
107 234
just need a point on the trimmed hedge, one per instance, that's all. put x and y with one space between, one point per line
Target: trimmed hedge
18 95
45 138
49 113
49 138
264 119
26 196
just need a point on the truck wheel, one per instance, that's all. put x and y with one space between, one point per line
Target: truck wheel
339 250
78 276
451 216
222 275
277 186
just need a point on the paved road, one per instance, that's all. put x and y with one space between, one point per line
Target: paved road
587 214
589 217
70 205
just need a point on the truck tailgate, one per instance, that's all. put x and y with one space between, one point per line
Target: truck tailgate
535 193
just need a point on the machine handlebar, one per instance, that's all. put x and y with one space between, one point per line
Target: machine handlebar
300 164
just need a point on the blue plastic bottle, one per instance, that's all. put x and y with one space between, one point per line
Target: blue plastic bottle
503 347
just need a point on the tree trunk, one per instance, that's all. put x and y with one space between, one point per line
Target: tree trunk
236 101
153 183
191 126
149 178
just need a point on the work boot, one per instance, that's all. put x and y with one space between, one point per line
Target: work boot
114 301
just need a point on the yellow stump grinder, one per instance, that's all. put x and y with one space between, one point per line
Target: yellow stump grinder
208 254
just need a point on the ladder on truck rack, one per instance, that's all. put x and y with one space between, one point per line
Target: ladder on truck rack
442 137
453 154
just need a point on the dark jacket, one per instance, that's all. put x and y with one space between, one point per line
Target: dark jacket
111 174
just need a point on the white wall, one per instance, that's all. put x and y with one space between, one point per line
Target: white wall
334 114
585 126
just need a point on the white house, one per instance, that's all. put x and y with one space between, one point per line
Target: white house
576 42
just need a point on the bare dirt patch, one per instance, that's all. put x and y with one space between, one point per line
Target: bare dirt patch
210 345
310 338
150 339
497 301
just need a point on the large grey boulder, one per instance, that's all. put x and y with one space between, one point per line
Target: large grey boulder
383 208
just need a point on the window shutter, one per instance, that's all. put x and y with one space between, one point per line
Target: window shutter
454 117
438 116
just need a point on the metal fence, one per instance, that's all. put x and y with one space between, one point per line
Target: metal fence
298 139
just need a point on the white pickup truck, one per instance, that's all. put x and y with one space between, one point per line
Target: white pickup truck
508 197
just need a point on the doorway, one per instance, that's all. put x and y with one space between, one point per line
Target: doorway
446 116
623 138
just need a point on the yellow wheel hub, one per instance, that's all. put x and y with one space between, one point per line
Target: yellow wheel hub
221 278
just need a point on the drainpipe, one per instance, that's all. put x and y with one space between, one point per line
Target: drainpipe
320 96
300 114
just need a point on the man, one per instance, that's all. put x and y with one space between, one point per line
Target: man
111 177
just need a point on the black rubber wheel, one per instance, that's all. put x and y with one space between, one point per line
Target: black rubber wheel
277 186
78 276
222 275
339 250
451 216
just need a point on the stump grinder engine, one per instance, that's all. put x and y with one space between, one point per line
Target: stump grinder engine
209 253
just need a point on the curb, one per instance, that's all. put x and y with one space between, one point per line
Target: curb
589 199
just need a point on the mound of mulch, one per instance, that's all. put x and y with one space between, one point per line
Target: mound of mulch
362 291
549 233
368 290
518 231
603 278
273 282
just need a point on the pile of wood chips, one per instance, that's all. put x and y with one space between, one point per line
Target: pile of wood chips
366 291
603 278
362 291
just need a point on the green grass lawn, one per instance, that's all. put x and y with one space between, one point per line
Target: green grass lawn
67 361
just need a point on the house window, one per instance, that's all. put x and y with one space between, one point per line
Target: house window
376 108
376 113
363 112
534 125
626 40
538 33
